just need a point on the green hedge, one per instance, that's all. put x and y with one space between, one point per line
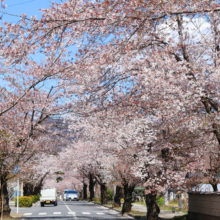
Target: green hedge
24 201
35 198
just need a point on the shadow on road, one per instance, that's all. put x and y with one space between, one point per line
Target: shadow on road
49 217
71 217
77 204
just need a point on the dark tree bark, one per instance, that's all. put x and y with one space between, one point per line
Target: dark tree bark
84 191
91 187
153 209
127 198
4 190
118 194
39 186
215 187
28 189
103 193
214 183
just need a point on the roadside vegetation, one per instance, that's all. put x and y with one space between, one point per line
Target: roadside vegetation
142 215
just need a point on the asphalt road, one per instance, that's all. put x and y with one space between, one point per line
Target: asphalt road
74 210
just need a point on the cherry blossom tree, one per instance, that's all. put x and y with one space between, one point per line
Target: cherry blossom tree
133 150
117 148
123 72
157 60
26 131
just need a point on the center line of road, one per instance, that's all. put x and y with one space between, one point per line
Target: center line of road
71 212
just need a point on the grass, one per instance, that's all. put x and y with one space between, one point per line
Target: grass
97 202
138 215
8 218
141 203
184 217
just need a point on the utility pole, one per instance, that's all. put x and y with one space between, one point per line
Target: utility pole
22 186
17 193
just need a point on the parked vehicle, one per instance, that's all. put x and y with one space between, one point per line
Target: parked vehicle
70 195
48 196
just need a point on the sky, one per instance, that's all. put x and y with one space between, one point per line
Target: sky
29 7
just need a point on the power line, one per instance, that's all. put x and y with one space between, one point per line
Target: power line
20 3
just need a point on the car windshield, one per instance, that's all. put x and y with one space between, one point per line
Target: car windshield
71 191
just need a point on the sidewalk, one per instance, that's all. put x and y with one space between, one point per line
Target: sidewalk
164 214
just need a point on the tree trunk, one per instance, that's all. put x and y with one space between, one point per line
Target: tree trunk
91 187
39 186
103 193
153 209
117 198
215 187
127 198
4 190
84 191
28 189
214 183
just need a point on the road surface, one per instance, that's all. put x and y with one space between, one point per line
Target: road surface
74 210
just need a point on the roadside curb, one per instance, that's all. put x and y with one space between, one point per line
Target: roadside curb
126 214
105 206
36 204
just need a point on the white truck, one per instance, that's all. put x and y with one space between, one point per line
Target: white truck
48 196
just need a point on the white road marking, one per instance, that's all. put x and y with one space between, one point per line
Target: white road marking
71 213
86 213
42 213
57 213
112 212
99 213
27 213
102 208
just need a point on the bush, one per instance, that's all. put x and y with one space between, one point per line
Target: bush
109 194
160 200
24 201
35 198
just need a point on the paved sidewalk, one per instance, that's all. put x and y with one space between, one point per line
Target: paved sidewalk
12 203
164 214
